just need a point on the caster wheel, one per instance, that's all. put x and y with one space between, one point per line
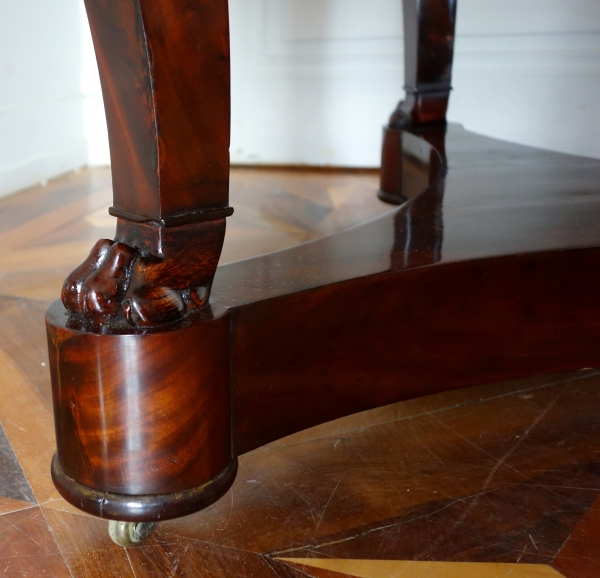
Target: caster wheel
128 534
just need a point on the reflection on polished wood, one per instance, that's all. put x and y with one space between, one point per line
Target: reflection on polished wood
501 473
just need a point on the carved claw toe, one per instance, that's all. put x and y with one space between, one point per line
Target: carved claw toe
106 286
73 294
95 288
148 306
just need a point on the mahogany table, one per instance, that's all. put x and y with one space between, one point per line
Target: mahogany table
166 368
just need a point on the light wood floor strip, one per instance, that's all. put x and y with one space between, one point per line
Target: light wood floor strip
410 569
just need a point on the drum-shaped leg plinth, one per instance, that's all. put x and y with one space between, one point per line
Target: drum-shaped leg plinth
143 422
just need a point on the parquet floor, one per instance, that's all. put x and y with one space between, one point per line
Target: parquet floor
501 480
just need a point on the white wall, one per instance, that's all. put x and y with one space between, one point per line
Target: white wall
529 71
93 107
314 80
41 105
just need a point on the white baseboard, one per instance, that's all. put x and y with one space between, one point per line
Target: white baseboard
40 169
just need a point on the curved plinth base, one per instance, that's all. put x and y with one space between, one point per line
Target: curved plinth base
141 413
148 508
490 271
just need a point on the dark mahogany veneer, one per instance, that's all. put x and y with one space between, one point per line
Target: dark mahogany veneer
164 372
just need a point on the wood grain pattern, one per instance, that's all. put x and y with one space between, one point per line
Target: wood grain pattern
331 349
164 69
27 547
510 330
158 389
159 440
26 395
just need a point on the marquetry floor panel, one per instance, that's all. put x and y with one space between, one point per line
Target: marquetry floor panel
15 487
27 548
580 556
502 480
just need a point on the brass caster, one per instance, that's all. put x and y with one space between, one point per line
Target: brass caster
129 534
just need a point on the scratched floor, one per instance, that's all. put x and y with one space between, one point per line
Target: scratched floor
497 481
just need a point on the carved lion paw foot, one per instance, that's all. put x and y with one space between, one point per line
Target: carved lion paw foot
111 284
148 277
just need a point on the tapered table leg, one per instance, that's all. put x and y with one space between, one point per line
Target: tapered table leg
140 369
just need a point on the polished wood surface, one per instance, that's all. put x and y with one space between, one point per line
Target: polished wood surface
150 418
164 69
158 386
137 309
503 473
579 556
518 294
